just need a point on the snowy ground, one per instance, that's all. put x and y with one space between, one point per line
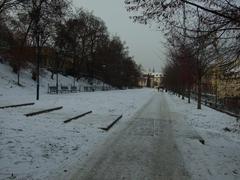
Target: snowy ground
219 158
37 147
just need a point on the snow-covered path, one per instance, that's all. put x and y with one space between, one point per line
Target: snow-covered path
144 149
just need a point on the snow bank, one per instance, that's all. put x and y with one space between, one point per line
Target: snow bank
219 157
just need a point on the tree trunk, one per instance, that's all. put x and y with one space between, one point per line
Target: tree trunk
189 95
57 81
18 77
74 69
183 93
199 92
38 65
19 66
52 75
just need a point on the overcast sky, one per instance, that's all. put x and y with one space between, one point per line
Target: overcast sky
144 42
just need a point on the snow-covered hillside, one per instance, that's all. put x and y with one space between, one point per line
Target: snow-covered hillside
9 87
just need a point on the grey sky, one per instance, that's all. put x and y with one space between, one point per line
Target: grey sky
144 43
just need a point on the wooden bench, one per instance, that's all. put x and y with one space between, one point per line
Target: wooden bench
98 88
52 89
73 89
64 89
86 89
80 89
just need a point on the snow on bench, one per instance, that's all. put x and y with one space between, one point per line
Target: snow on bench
52 89
73 89
64 89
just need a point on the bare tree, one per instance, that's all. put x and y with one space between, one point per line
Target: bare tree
43 13
221 16
6 5
212 27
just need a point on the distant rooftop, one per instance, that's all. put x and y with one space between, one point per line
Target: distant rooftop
155 74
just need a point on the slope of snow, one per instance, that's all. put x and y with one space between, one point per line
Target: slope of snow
219 157
9 87
37 147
